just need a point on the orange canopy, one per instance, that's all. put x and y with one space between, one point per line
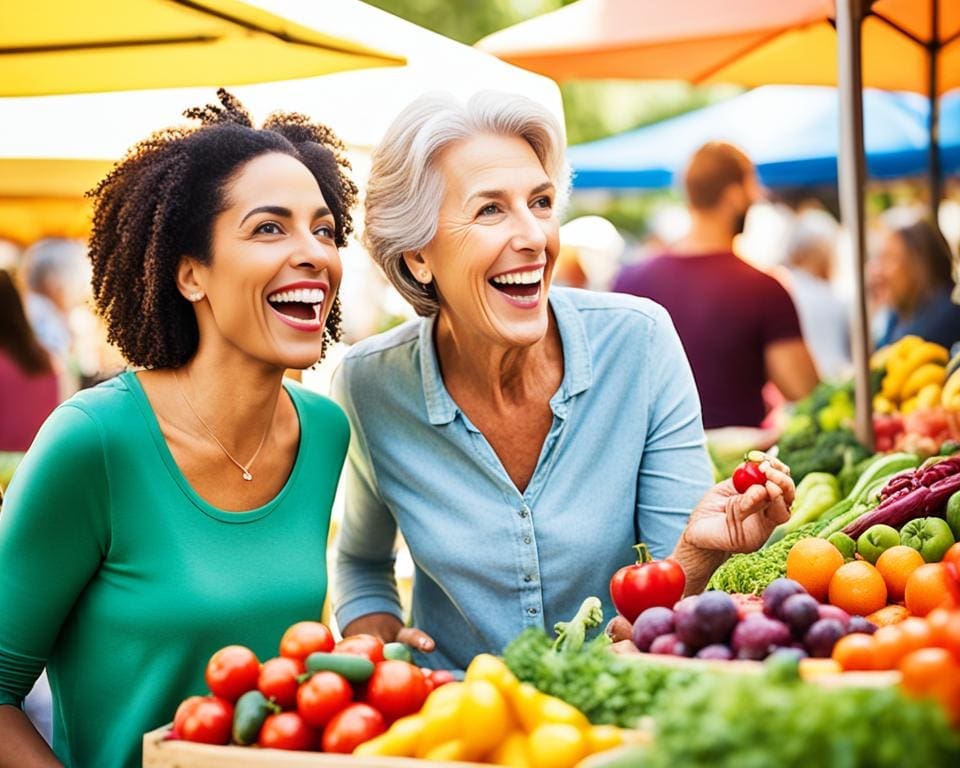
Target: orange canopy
750 42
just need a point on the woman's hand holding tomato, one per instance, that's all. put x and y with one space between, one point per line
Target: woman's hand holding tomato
726 520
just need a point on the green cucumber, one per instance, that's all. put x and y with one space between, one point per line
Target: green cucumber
397 651
356 669
248 715
882 468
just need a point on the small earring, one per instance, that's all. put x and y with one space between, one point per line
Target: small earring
195 296
424 277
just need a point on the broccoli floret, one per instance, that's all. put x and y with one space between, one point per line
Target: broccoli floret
827 454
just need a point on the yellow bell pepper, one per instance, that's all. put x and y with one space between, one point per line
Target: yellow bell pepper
485 717
400 740
557 745
492 669
513 751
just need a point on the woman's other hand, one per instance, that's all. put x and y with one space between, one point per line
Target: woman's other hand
390 629
727 521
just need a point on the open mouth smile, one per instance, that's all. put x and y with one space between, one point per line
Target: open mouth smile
299 308
520 287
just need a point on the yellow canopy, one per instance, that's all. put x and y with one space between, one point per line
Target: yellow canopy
65 46
750 42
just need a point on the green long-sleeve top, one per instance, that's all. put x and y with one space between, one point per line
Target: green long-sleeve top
123 581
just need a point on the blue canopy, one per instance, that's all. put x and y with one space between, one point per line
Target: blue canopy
790 132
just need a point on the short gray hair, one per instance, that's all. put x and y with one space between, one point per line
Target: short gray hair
405 187
53 258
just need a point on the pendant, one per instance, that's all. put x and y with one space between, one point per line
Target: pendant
247 475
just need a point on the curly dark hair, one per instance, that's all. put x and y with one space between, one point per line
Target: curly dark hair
159 203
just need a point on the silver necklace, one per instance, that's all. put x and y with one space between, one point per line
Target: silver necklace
244 468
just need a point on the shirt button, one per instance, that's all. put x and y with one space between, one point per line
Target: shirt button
526 539
523 512
528 578
532 611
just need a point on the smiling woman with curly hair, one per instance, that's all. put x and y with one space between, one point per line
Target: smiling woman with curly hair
183 506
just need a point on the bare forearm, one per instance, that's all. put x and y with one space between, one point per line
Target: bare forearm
23 747
382 625
698 564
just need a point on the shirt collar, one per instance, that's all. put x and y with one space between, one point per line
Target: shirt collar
577 369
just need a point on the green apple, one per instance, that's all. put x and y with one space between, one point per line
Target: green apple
930 536
876 540
846 545
953 514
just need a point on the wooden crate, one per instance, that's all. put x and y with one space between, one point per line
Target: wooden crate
160 751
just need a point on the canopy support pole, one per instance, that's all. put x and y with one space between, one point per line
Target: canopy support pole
851 170
935 177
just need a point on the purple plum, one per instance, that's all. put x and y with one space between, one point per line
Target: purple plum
776 592
650 625
716 616
832 612
716 651
687 626
668 644
799 612
860 624
758 635
822 636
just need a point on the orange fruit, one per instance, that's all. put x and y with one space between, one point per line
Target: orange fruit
916 633
945 628
889 614
927 588
855 651
858 588
812 562
895 565
927 669
889 646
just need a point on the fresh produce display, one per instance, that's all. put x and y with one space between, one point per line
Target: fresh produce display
777 720
314 695
914 376
492 717
646 583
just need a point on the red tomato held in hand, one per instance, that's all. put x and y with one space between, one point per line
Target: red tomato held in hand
396 688
368 646
322 696
305 637
278 680
232 671
352 726
287 731
747 474
204 719
647 583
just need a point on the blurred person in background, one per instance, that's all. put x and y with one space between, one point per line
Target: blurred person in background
912 275
54 270
809 261
29 385
738 325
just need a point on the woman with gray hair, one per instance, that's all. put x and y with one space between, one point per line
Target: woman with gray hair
521 439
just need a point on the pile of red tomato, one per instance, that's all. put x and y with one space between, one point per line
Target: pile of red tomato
295 701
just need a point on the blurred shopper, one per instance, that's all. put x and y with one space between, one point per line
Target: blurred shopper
185 505
810 261
53 270
29 387
738 325
912 274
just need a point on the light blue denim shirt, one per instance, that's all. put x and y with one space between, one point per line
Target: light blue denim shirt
626 449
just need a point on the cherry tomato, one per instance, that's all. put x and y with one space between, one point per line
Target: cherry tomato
367 646
747 474
351 727
396 688
232 671
287 730
647 583
438 677
278 680
204 719
305 637
322 696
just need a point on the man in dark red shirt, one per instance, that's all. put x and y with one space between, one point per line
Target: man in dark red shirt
738 325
